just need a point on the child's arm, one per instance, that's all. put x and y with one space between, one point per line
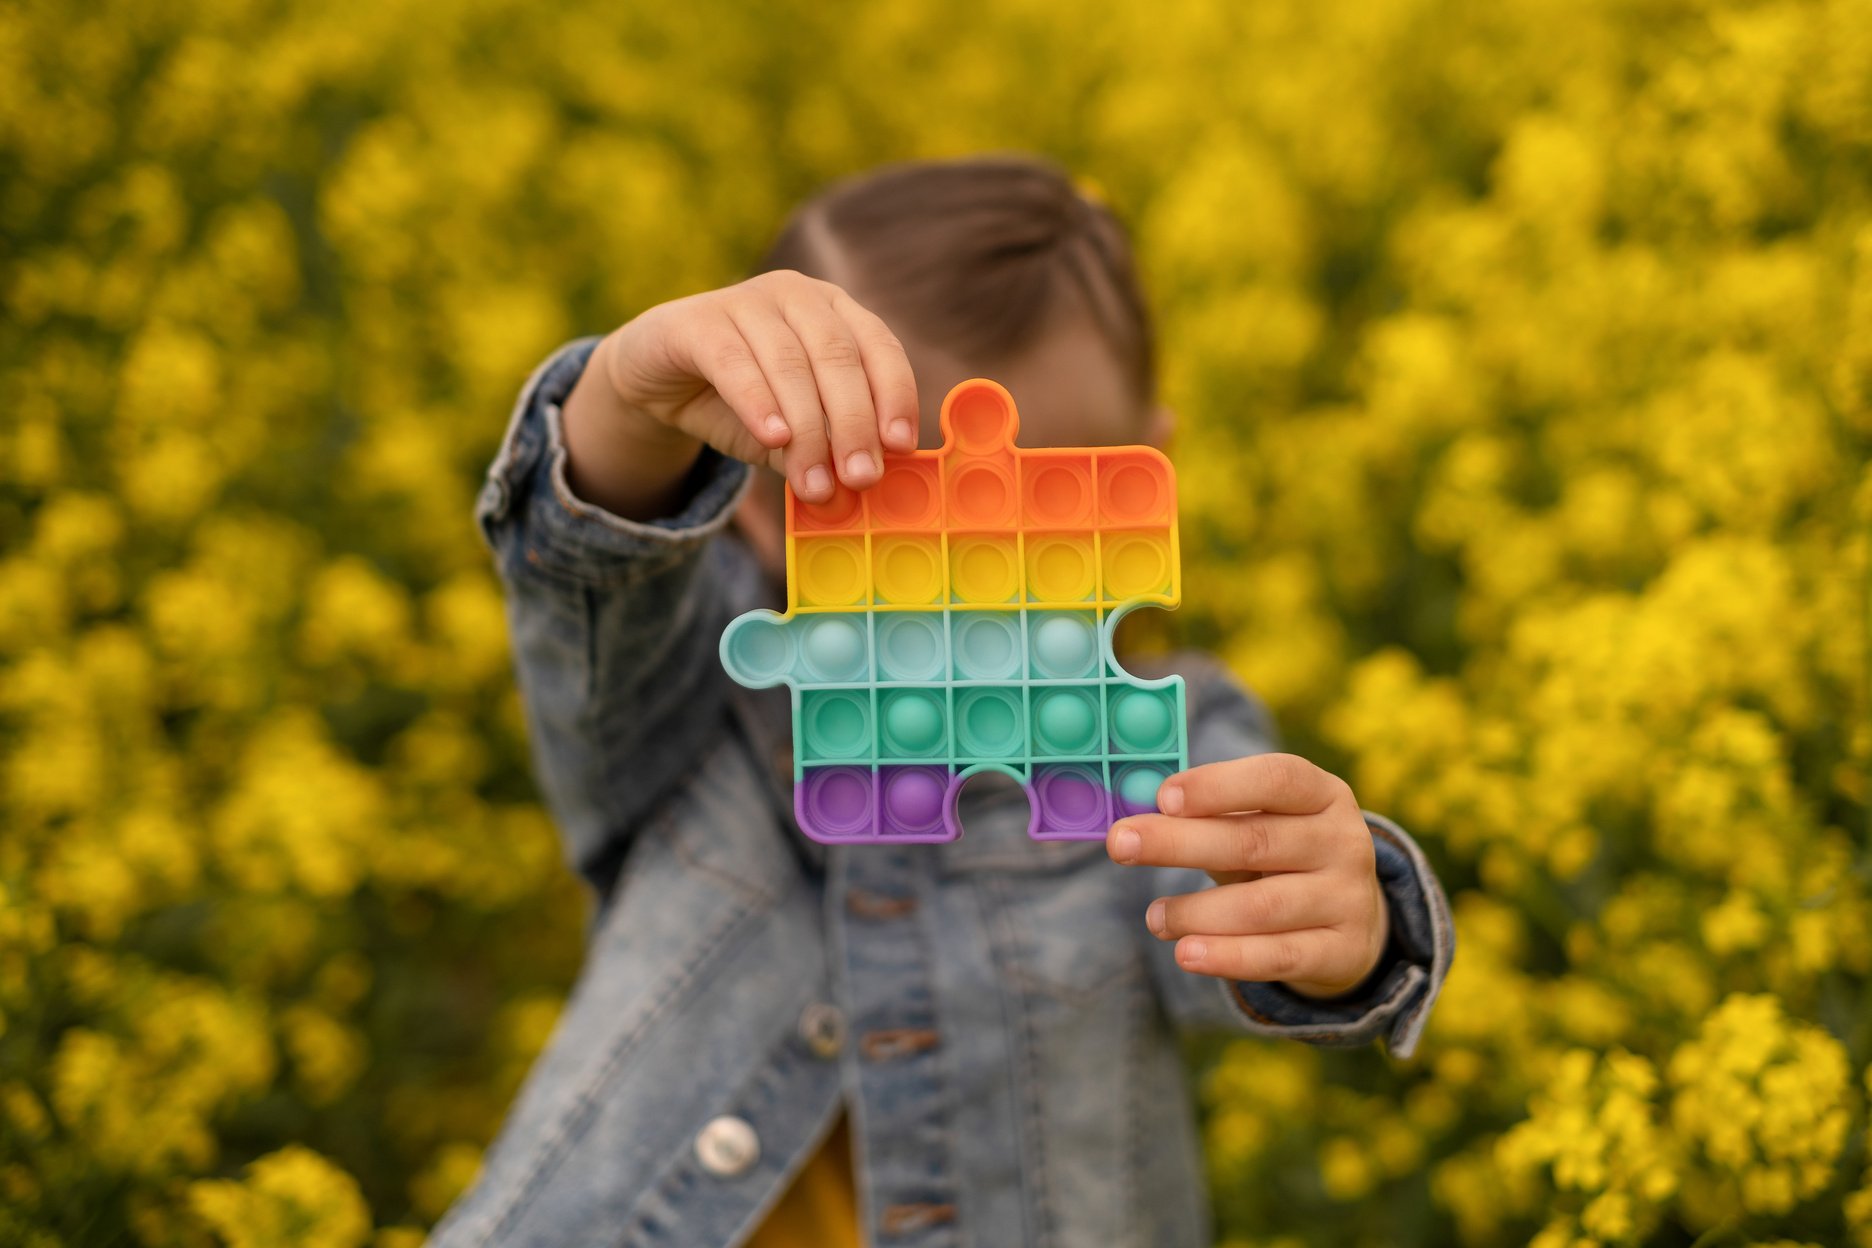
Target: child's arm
1320 921
622 459
1297 897
782 369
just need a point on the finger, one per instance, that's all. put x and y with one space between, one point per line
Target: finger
1318 955
844 392
887 367
1288 902
788 369
708 418
1282 783
1254 842
722 356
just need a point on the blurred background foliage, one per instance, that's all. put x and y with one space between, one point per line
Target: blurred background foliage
1524 358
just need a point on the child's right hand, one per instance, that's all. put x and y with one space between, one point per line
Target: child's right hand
781 369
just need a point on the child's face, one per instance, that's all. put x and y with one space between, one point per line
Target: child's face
1068 386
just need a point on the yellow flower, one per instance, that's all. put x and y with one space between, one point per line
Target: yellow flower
1765 1099
1596 1125
292 1198
1345 1168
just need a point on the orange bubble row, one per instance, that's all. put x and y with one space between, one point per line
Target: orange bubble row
1030 490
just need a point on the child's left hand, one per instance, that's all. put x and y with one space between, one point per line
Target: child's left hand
1297 896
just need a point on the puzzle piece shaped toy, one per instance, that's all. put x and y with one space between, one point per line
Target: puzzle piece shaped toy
957 617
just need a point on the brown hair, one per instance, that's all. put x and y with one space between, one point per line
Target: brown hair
972 254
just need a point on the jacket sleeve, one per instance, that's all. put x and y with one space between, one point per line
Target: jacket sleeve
614 623
1394 1000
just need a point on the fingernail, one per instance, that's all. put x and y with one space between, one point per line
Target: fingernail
776 428
1190 952
904 434
818 480
1125 844
1154 917
859 466
1170 799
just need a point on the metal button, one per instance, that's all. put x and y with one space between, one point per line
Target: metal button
822 1027
727 1146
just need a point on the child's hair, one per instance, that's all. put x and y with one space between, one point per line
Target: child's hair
970 254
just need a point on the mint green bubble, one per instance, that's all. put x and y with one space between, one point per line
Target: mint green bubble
909 646
1141 720
1062 646
836 726
760 650
834 648
1139 785
987 646
1067 721
914 721
989 723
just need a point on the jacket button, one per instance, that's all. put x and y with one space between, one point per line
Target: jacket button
727 1146
822 1027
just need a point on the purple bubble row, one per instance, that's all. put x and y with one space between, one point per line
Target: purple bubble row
915 805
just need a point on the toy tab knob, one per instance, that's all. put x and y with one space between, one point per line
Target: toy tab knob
978 417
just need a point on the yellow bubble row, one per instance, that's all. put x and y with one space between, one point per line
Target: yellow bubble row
826 573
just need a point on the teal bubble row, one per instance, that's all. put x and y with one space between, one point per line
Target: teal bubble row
939 646
965 724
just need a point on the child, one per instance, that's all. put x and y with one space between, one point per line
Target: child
776 1042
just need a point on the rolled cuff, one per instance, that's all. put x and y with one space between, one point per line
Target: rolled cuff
534 523
1395 999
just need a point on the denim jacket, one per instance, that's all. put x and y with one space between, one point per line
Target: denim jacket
993 1012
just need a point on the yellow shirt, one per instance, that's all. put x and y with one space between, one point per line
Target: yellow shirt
820 1210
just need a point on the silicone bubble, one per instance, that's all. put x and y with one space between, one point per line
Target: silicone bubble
980 416
1136 564
1133 489
983 569
834 647
1057 492
981 494
955 620
836 801
906 496
907 570
914 723
1064 646
988 724
1070 800
757 650
913 800
837 723
1137 786
1060 570
1142 720
910 646
987 645
1066 721
831 571
844 510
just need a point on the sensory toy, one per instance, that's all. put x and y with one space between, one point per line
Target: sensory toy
957 617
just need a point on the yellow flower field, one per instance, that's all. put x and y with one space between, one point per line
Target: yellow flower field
1523 353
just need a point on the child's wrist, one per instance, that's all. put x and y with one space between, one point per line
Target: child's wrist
618 456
